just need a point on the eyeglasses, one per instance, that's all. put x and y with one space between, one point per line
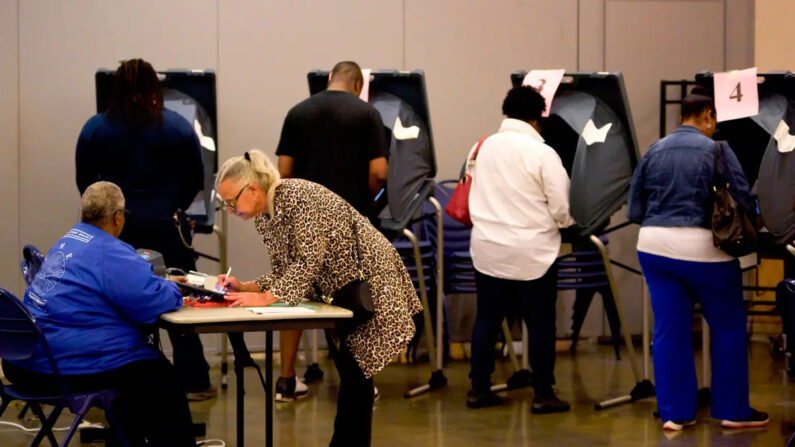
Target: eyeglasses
232 204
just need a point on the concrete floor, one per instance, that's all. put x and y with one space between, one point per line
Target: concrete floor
440 418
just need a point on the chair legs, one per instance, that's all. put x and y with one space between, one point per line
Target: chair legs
47 422
114 425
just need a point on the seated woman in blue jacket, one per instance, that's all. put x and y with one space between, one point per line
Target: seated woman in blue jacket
671 197
92 298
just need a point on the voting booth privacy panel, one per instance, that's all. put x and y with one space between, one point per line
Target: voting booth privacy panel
764 146
590 127
401 100
191 94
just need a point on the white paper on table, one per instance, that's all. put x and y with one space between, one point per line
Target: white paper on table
786 141
404 133
592 134
280 310
736 94
546 82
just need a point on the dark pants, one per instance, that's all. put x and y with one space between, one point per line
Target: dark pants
192 368
354 421
151 404
536 301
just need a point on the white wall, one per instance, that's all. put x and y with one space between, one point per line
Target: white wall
263 50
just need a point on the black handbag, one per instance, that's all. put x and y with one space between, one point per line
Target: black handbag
732 230
354 296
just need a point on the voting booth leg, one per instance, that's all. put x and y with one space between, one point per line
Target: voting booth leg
435 350
268 388
220 231
521 377
643 388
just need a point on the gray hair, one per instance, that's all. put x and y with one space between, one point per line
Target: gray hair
100 201
251 167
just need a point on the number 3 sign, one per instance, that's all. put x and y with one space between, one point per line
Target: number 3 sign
736 94
546 82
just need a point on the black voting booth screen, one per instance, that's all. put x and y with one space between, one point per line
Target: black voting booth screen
191 94
401 100
600 168
752 139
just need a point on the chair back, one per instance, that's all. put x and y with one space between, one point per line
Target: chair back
32 259
19 334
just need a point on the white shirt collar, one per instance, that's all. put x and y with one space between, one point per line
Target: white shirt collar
515 125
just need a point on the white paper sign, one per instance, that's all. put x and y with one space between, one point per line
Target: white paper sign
736 94
365 94
546 82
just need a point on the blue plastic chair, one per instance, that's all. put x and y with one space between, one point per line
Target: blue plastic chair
19 336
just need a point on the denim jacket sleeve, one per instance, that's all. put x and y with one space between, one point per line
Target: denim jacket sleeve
738 184
636 208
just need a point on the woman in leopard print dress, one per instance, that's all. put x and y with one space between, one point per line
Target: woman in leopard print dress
308 231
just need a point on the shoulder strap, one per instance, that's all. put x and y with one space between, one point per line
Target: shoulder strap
477 149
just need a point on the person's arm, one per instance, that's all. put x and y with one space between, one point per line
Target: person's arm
286 164
86 166
130 286
192 170
378 174
738 184
555 183
636 208
379 152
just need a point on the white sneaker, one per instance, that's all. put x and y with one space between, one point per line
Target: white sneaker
678 425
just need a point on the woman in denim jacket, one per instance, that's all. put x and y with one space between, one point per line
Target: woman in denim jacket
671 198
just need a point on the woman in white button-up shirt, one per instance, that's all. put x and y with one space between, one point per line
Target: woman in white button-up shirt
518 202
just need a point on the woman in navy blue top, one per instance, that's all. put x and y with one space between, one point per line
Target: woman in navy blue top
154 155
671 197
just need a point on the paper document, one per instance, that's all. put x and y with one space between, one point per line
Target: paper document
281 310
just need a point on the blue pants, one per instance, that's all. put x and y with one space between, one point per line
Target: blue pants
675 286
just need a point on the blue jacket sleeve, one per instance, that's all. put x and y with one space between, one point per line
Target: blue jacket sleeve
636 208
738 184
130 286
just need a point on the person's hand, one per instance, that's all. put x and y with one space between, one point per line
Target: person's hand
179 279
229 283
250 299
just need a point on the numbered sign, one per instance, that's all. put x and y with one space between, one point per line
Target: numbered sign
546 82
365 94
736 94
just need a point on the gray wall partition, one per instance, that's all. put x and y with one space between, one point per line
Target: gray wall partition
262 51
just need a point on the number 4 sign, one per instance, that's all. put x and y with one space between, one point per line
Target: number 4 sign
546 82
736 94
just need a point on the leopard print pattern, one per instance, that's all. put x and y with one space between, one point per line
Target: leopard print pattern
310 240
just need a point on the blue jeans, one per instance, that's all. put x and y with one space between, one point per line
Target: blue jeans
675 286
535 300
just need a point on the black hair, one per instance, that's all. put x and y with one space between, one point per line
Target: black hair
697 102
347 71
523 103
137 97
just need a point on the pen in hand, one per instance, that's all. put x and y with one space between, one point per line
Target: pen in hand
226 279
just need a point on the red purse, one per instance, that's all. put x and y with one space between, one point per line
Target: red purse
458 206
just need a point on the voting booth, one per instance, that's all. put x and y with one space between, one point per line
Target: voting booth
191 94
764 145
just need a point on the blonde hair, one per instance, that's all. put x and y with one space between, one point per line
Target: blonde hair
100 201
251 167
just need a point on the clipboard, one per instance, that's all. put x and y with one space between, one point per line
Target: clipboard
202 286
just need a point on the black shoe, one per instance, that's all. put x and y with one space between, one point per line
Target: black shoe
480 399
288 390
757 419
549 404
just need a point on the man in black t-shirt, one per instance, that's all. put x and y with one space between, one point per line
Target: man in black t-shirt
339 141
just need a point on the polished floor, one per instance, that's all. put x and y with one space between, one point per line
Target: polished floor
440 418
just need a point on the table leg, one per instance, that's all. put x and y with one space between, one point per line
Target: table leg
239 378
269 388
